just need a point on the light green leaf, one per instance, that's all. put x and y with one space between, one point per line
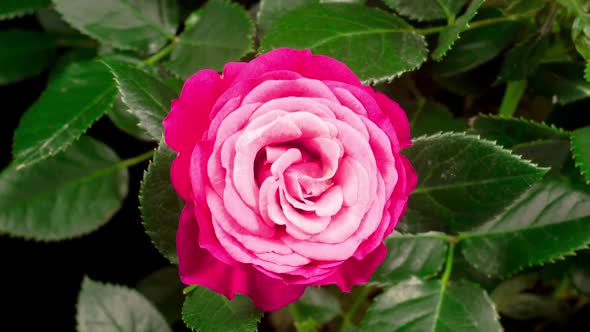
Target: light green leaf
206 311
433 118
563 82
164 290
524 59
580 139
352 34
476 46
317 306
581 35
545 145
105 308
126 24
426 10
82 93
449 35
123 119
464 180
421 255
424 306
17 8
587 71
28 53
147 97
66 196
223 33
547 222
159 204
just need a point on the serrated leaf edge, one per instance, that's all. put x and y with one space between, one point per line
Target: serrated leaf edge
584 169
439 57
542 125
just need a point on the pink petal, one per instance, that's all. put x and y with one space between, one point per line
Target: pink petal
198 266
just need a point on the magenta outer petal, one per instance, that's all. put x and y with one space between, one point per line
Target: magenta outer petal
398 118
197 266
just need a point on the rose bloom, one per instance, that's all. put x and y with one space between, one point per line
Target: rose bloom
292 176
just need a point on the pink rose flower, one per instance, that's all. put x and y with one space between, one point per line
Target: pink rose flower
292 176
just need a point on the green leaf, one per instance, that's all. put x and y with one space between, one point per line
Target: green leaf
580 272
82 93
512 133
581 35
270 10
580 139
159 204
316 305
105 308
476 46
123 119
450 34
511 99
524 59
423 306
353 34
223 33
206 311
164 289
126 24
69 195
513 301
17 8
547 222
563 82
587 71
421 255
545 145
147 97
433 118
464 180
524 7
426 10
30 53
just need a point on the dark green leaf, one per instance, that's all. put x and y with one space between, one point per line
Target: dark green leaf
581 148
105 308
523 59
147 97
69 57
426 10
545 145
423 306
206 311
16 8
476 47
126 24
421 255
433 118
563 82
524 7
580 272
123 119
82 93
69 195
352 34
51 21
449 35
513 301
159 204
270 10
27 54
547 222
223 33
317 305
512 133
464 180
164 289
